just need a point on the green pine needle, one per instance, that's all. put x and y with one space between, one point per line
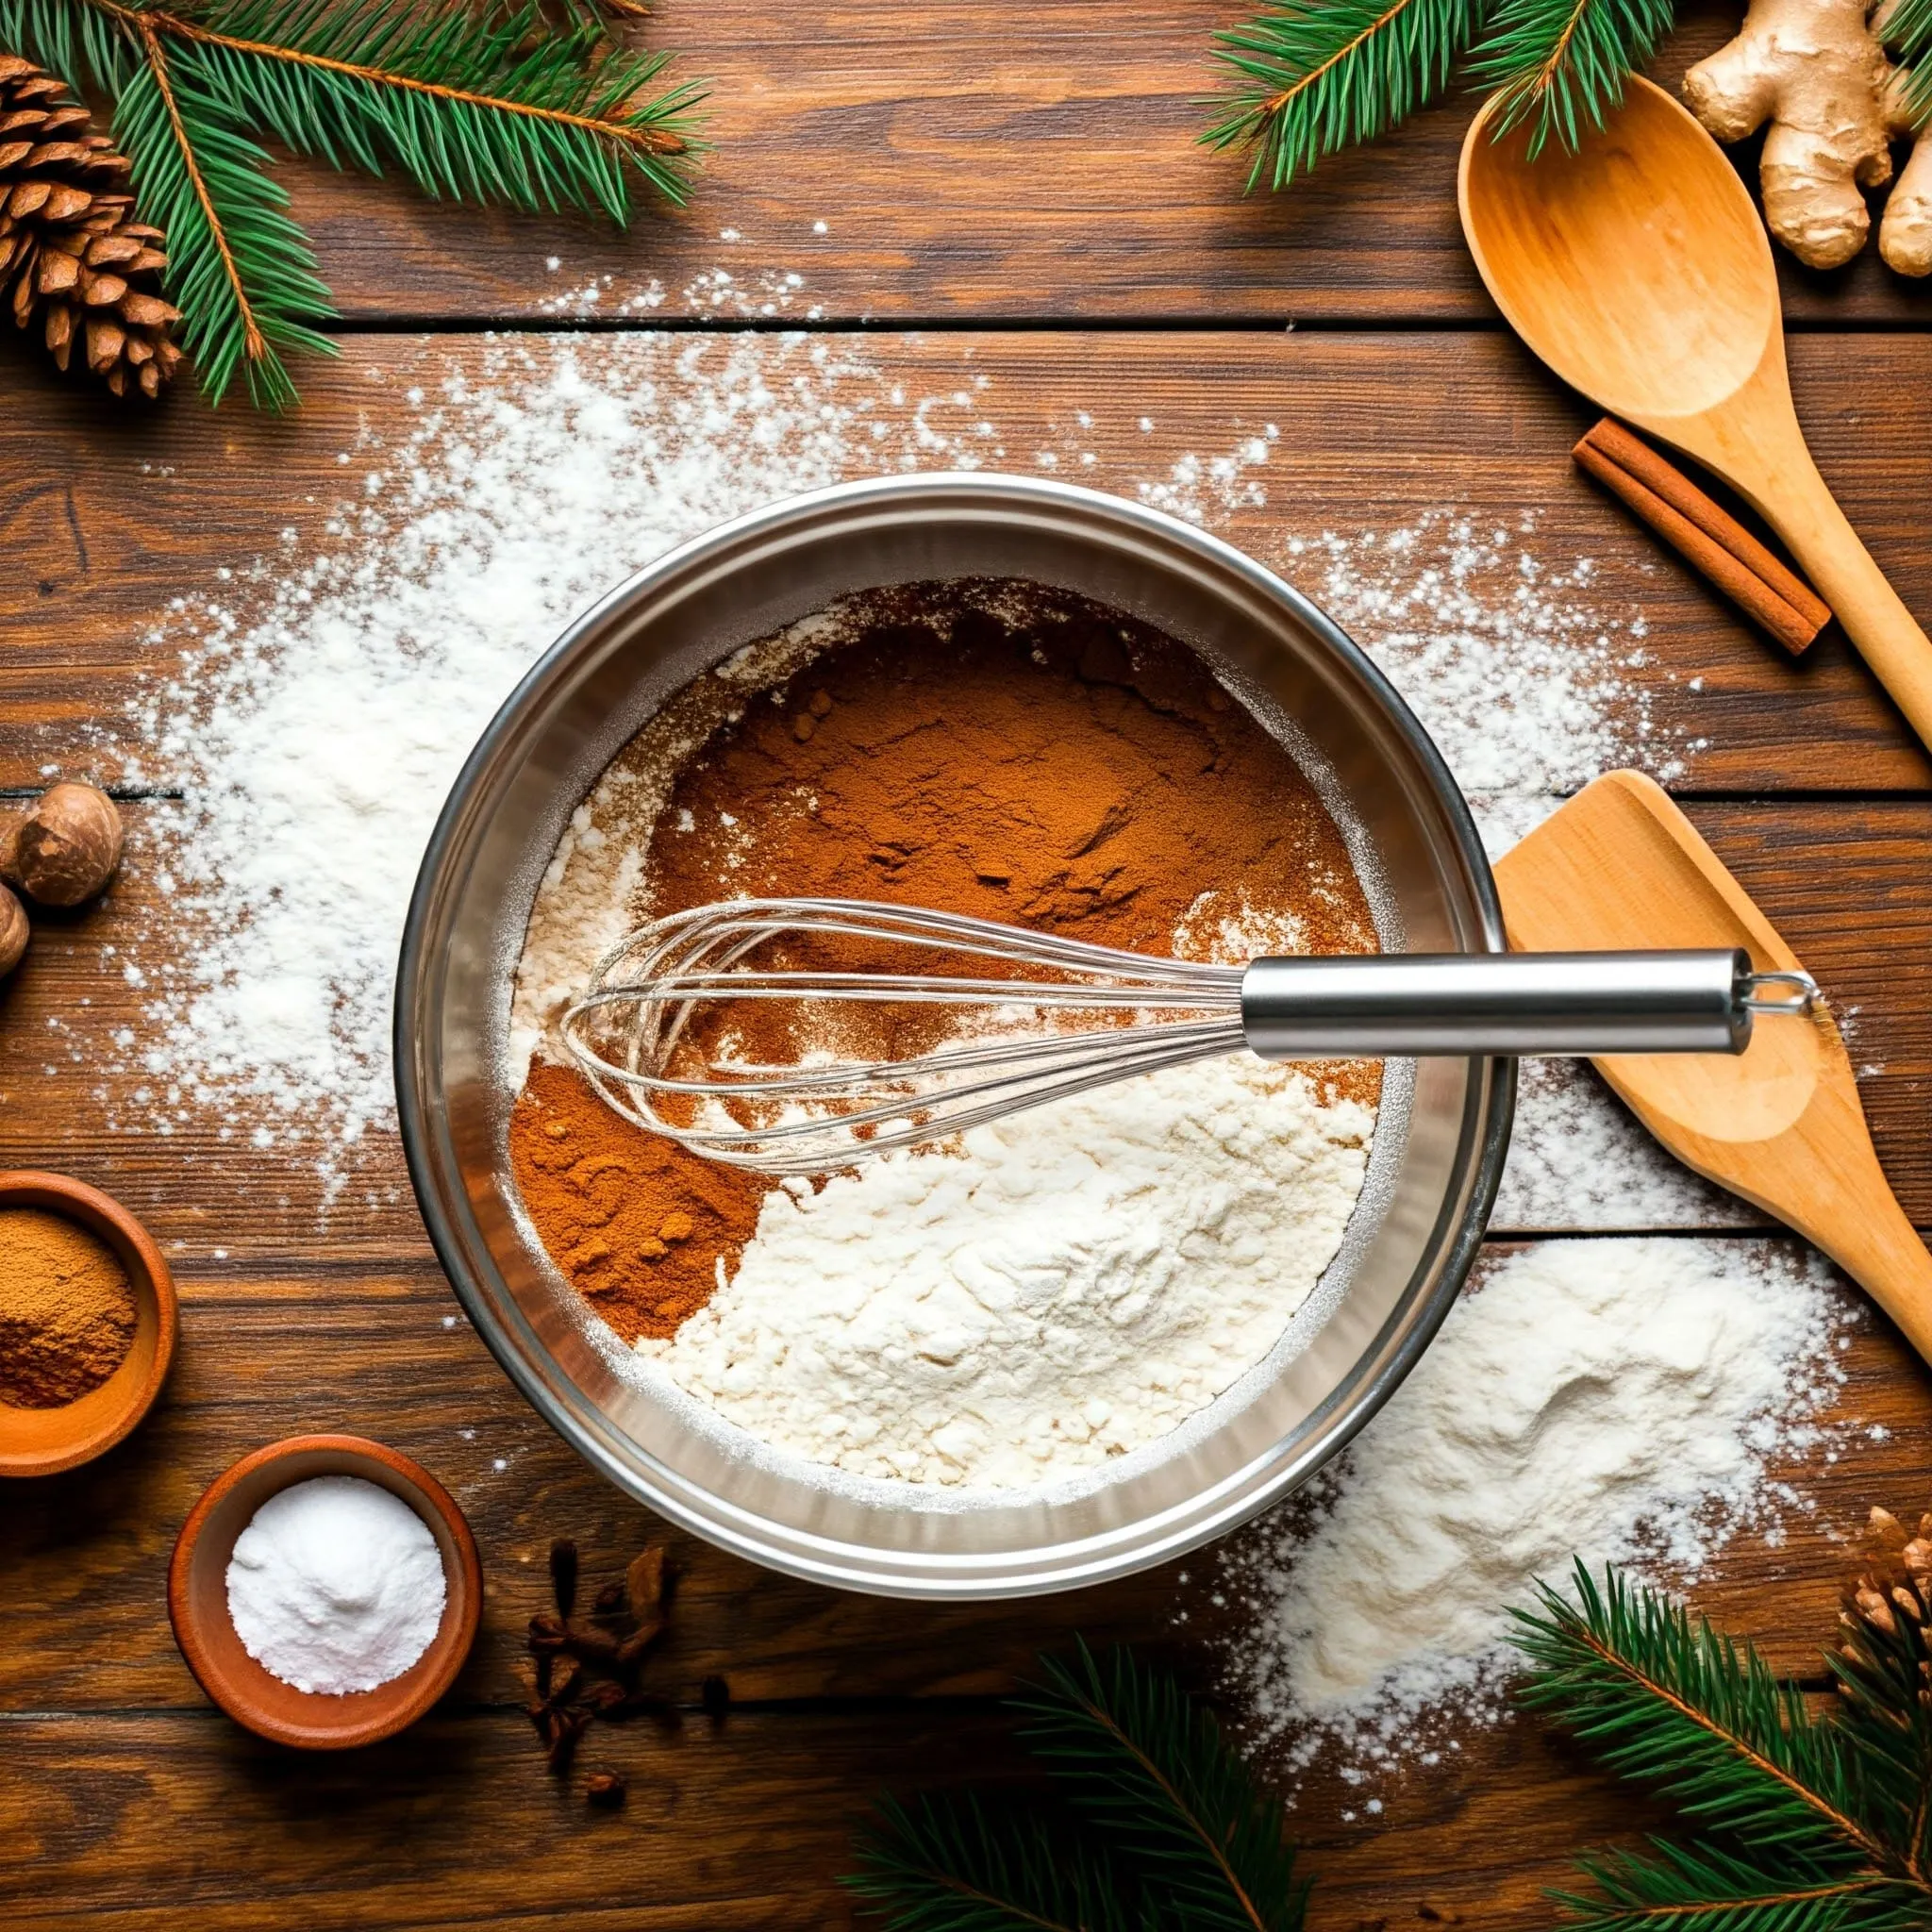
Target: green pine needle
1151 1769
476 100
961 1865
1665 1699
86 48
1908 34
1803 1824
480 104
1703 1888
1312 77
1559 65
239 270
1161 1827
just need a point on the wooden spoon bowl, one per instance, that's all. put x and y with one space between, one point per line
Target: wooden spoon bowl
1637 269
43 1442
252 1695
1662 311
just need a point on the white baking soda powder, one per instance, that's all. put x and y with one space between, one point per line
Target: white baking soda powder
336 1586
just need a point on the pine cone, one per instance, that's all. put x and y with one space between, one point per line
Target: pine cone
1893 1592
70 248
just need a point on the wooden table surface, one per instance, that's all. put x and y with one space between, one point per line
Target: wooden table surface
1016 193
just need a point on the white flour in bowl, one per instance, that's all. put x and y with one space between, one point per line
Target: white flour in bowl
1072 1284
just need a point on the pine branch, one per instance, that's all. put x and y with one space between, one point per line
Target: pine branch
1883 1669
475 105
1152 1772
1906 26
1668 1701
240 271
1559 64
476 100
86 47
959 1866
1703 1888
1312 77
1162 1828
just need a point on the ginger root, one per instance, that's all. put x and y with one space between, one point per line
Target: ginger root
1817 72
1904 236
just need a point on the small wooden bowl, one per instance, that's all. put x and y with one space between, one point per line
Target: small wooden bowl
43 1442
254 1696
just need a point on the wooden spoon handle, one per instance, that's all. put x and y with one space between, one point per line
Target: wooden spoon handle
1871 1238
1807 516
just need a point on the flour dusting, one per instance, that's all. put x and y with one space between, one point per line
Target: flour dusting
322 704
1612 1400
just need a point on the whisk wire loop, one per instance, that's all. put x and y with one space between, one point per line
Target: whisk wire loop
824 1111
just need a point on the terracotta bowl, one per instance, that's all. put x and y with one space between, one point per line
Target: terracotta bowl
198 1597
43 1442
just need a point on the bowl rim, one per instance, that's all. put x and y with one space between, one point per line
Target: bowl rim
450 1646
800 1552
148 1270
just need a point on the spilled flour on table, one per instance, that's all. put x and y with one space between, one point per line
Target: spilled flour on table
323 702
1617 1401
317 705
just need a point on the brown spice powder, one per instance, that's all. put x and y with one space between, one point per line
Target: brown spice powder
67 1312
995 750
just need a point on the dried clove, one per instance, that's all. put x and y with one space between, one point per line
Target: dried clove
563 1576
643 1582
593 1646
631 1651
587 1670
566 1727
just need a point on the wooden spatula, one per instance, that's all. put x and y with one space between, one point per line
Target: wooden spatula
1781 1124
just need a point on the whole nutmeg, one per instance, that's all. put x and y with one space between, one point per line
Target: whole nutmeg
67 847
13 932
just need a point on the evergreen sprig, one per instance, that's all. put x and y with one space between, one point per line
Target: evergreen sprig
1559 65
474 100
1803 1824
1907 29
1306 77
1314 76
1155 1825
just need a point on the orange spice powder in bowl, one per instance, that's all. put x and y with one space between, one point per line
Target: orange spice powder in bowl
88 1323
980 748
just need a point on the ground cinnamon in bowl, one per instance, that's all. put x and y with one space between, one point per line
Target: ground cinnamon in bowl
67 1309
984 748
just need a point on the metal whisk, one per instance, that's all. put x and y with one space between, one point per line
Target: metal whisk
1078 1017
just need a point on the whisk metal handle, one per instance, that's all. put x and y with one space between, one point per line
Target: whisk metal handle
1506 1003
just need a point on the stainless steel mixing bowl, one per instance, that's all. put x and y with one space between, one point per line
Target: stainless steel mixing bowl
1439 1157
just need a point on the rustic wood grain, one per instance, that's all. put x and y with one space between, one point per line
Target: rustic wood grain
970 163
1846 882
971 166
1376 432
268 1354
176 1820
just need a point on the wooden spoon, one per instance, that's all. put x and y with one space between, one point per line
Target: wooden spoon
1780 1124
1637 269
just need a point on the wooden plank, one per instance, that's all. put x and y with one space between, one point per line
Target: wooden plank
164 1819
952 161
1846 881
270 1351
1376 432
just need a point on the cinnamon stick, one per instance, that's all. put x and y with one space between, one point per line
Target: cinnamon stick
1704 534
